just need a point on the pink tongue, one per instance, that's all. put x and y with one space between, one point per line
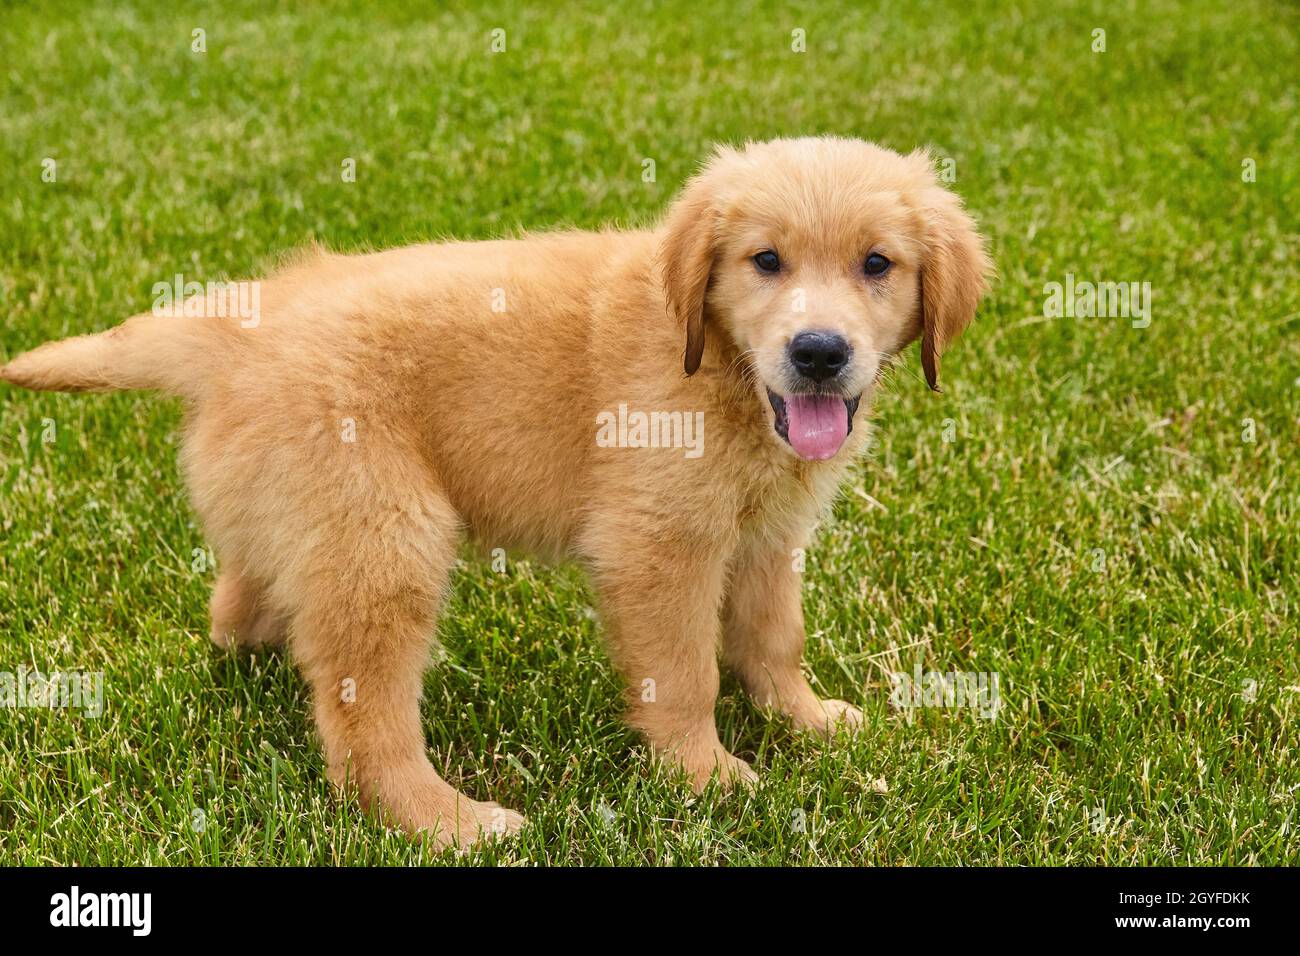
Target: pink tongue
818 425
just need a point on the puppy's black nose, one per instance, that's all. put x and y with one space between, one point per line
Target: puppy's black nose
819 355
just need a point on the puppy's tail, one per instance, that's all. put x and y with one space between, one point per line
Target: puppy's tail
145 352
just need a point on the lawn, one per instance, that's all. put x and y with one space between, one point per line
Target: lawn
1102 513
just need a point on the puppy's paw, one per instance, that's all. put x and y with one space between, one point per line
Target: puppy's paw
842 715
267 631
239 620
490 821
832 717
433 813
729 770
472 823
738 775
224 639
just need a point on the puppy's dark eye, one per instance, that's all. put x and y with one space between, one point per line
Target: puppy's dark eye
876 265
768 261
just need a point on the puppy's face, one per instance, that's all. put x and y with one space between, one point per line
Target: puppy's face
818 260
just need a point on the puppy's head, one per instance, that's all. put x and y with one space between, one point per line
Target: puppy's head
818 260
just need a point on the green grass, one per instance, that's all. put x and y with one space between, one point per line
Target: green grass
1123 677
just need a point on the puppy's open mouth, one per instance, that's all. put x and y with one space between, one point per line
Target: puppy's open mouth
815 426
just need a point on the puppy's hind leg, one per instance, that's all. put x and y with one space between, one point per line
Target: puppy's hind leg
241 614
362 637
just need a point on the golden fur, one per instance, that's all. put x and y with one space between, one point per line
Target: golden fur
472 421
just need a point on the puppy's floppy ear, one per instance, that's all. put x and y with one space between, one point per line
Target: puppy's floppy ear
686 261
954 275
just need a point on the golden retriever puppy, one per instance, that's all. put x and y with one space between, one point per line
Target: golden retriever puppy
532 394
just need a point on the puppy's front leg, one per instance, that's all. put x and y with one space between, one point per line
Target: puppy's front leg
661 601
763 639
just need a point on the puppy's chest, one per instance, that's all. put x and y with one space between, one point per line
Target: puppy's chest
786 502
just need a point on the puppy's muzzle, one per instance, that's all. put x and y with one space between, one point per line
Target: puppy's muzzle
816 417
